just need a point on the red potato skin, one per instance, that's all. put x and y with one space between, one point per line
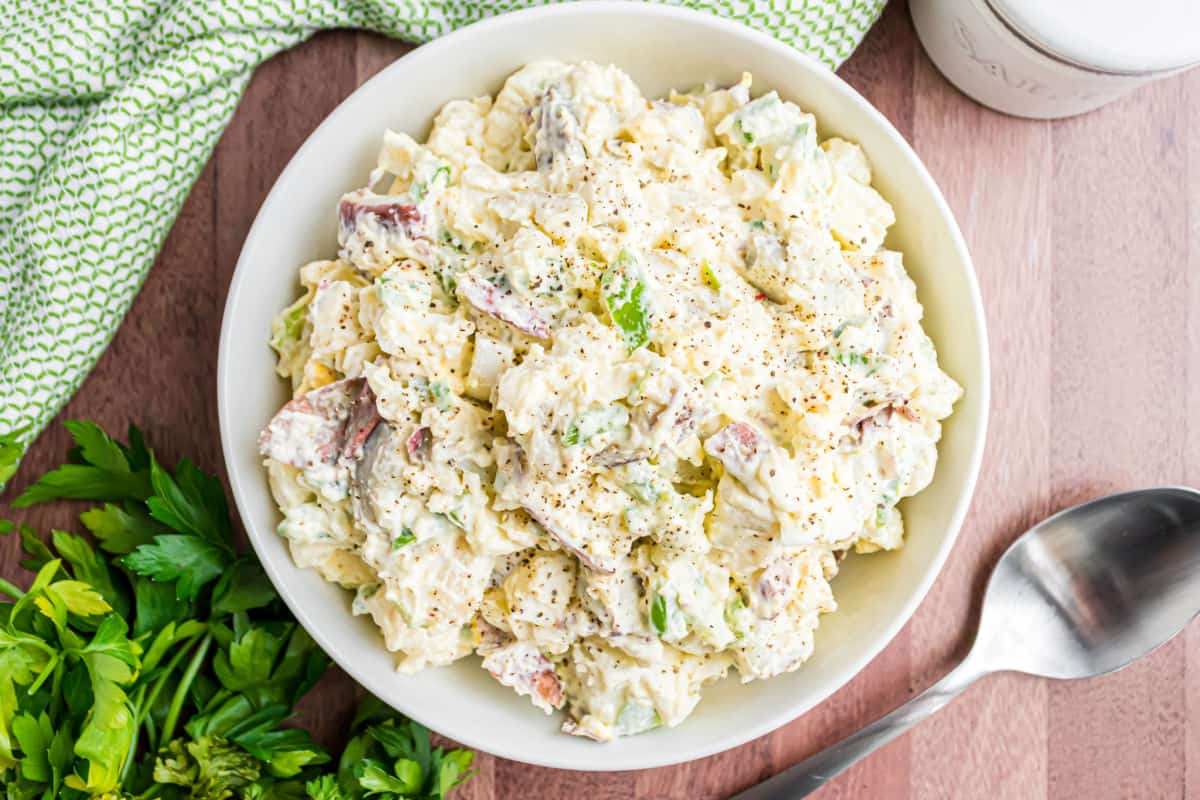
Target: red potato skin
419 443
548 688
775 580
302 406
540 680
572 727
574 549
737 441
612 457
344 433
883 416
403 217
320 403
503 305
363 419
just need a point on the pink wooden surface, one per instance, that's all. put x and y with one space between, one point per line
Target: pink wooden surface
1086 238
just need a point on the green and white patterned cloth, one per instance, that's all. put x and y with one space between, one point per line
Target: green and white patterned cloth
110 108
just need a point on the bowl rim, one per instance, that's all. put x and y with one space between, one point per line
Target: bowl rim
788 713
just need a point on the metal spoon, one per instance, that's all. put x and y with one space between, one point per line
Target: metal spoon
1083 593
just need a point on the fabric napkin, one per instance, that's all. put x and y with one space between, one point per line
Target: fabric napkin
110 108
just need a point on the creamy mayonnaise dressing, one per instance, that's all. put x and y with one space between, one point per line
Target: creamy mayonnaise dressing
602 388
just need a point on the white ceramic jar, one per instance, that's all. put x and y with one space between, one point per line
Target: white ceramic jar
1056 58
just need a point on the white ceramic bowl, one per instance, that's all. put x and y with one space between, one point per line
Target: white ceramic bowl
661 48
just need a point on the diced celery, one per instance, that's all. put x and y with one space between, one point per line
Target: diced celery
733 610
746 135
642 491
625 299
454 519
571 437
406 537
658 614
636 718
848 358
449 282
440 393
288 325
421 188
594 422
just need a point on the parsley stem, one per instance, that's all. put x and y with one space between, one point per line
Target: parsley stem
39 644
151 732
127 764
10 590
149 793
185 683
156 689
56 695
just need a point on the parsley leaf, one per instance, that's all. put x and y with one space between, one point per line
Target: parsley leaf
36 552
34 735
136 452
243 587
105 475
75 597
108 731
156 605
453 770
324 788
376 778
121 529
270 664
209 767
285 752
83 482
190 560
192 502
87 566
10 454
96 447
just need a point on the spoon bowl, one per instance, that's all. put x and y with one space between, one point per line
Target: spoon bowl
1094 587
1081 593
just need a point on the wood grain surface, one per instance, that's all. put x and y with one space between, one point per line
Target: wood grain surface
1086 237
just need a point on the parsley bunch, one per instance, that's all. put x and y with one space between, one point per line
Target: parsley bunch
154 660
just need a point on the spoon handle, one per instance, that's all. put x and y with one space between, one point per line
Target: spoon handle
814 772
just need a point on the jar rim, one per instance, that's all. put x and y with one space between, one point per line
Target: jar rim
1053 30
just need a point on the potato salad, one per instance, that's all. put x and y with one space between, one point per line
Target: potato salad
602 389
